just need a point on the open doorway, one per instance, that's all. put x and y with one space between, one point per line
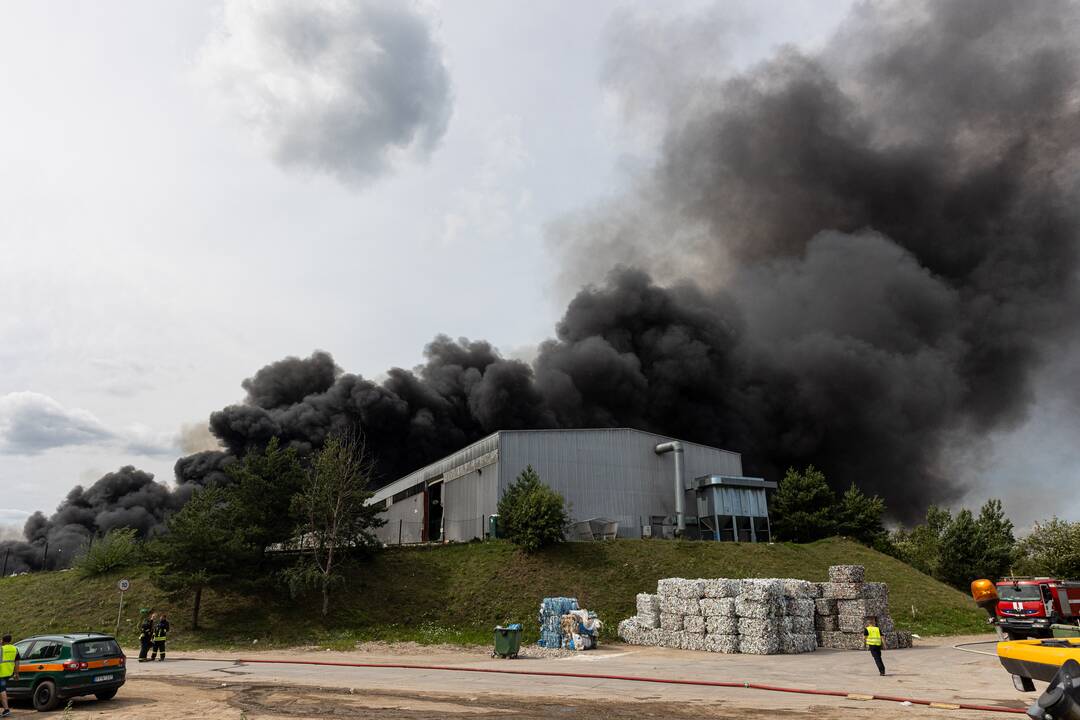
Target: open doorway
434 512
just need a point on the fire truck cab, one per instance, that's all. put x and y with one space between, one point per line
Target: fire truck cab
1029 606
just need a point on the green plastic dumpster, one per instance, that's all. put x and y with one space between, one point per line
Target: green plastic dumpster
507 641
493 527
1065 631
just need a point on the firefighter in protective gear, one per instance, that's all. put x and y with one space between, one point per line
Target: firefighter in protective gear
161 634
874 643
146 636
9 670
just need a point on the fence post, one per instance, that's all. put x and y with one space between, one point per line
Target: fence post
6 556
400 523
45 556
483 527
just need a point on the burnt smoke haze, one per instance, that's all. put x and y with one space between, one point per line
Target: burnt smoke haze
859 258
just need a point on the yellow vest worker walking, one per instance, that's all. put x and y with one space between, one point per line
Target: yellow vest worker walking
9 670
873 642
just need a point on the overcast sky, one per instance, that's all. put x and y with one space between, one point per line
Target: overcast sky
191 190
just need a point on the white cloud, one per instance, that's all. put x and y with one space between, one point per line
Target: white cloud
32 423
344 88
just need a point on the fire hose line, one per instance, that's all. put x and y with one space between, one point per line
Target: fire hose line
628 678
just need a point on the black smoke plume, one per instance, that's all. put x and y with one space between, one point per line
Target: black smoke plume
858 258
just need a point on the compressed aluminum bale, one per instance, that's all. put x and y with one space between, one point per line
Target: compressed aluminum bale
759 645
891 640
866 608
842 641
690 589
793 644
693 623
634 634
721 588
670 604
793 587
801 625
843 591
760 589
722 643
690 606
825 606
826 622
670 638
872 590
847 574
717 607
672 622
648 620
817 590
666 587
722 625
886 624
799 607
851 623
693 641
904 639
647 603
749 608
759 628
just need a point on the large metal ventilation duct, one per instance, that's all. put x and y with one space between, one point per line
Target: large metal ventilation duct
676 448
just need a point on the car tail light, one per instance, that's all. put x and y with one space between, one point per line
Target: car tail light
122 660
75 665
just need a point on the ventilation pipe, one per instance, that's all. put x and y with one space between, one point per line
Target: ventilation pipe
680 491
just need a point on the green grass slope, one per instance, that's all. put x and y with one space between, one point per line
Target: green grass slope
457 593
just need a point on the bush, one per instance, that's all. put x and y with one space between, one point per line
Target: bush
116 549
532 515
1052 548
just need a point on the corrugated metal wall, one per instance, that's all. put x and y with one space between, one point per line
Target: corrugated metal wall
468 501
404 522
610 473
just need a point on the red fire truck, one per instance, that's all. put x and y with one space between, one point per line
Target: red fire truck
1025 607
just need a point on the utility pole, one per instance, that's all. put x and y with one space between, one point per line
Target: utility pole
45 555
6 556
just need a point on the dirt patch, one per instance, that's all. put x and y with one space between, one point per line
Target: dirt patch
178 697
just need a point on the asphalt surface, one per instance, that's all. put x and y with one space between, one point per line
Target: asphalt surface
933 671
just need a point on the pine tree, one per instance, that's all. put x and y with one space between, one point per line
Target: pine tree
860 517
804 507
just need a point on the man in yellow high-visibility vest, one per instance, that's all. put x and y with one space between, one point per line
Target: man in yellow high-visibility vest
874 642
9 670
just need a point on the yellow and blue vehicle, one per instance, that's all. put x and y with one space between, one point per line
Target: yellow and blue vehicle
55 668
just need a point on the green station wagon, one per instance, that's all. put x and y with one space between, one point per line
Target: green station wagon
54 668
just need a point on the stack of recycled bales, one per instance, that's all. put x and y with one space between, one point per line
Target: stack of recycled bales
579 630
846 602
760 617
552 610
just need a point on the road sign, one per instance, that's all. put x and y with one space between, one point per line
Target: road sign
123 585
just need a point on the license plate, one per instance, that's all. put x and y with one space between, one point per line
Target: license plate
103 678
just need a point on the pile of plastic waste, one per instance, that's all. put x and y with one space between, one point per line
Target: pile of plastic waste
563 624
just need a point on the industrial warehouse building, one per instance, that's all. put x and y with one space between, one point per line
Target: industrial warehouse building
618 478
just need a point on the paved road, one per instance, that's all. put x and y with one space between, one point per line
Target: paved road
934 672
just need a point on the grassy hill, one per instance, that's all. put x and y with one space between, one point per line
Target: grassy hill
457 593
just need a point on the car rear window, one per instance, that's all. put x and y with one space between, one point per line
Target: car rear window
89 649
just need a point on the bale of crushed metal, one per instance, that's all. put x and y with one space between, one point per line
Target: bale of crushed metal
727 625
847 574
799 606
760 589
759 644
693 623
690 606
671 622
841 641
843 591
903 639
760 627
851 623
722 643
717 607
886 624
721 588
648 603
872 590
693 641
795 643
683 588
648 620
793 587
799 625
670 604
633 633
825 606
826 622
875 607
665 587
669 638
749 608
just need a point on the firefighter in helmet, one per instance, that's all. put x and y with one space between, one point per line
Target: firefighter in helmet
161 634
